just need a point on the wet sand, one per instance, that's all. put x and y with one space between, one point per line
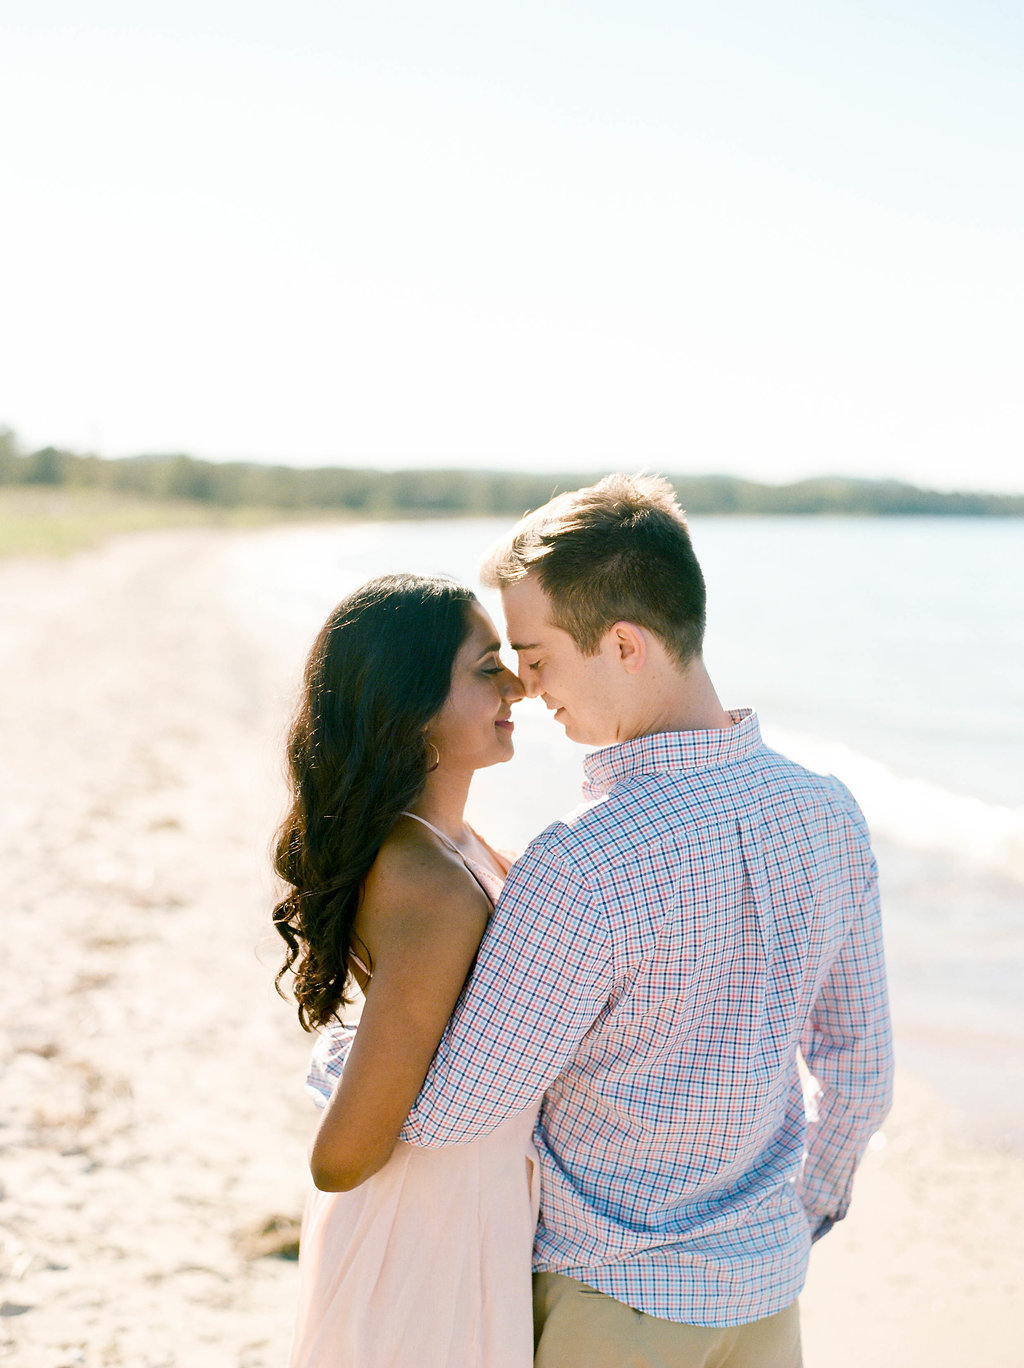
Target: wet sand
153 1125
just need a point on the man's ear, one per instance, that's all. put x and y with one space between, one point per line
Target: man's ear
630 645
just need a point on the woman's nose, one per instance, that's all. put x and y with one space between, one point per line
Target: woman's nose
512 687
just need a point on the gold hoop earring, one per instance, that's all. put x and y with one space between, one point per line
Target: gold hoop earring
437 758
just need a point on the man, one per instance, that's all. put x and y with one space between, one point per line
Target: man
655 963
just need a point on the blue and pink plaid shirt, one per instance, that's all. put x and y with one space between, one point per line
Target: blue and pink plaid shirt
654 963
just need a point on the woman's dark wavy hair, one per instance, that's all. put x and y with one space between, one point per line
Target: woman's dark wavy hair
378 673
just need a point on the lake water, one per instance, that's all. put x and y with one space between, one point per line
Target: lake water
887 651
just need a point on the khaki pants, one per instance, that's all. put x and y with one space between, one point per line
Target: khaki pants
576 1326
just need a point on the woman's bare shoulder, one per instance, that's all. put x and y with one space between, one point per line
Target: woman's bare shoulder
416 876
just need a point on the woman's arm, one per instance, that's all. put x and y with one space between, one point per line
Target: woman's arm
546 972
422 915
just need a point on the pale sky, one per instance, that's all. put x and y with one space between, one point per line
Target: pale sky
766 239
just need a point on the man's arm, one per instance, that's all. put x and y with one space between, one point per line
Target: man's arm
848 1049
543 977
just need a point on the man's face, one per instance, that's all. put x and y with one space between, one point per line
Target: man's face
581 690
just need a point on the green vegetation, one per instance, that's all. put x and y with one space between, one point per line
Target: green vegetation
57 522
54 500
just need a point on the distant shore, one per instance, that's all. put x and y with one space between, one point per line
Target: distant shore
155 1153
46 521
60 520
251 489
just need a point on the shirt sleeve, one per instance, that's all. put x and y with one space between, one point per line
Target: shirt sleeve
327 1062
848 1049
542 978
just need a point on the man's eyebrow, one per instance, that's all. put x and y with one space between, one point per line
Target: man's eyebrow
520 646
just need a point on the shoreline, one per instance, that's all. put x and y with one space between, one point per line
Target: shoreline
156 1123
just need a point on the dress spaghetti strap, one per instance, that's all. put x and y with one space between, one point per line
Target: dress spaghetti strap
486 878
360 965
352 954
430 825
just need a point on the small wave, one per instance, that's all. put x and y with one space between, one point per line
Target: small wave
915 813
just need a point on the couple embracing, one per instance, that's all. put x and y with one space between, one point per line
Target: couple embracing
585 1061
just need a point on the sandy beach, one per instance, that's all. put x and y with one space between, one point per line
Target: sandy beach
152 1138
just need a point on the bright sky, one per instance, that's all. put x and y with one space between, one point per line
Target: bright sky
771 239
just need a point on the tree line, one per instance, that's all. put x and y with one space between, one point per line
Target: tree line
454 493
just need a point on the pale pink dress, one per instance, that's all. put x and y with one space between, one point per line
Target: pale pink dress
427 1263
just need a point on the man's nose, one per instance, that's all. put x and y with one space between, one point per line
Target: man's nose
530 684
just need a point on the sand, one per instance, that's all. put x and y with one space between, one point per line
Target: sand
153 1130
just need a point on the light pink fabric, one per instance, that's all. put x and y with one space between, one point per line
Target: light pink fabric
427 1264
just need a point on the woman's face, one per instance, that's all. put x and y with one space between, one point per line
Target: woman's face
474 728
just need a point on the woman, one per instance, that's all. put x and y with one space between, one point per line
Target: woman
408 1256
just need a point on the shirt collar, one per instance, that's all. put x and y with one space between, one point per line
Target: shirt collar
665 752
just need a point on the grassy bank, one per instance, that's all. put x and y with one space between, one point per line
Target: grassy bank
58 522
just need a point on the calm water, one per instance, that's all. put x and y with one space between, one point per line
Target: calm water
888 652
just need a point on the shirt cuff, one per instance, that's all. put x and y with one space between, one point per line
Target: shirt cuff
327 1062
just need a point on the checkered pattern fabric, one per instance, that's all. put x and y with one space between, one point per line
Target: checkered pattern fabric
654 964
